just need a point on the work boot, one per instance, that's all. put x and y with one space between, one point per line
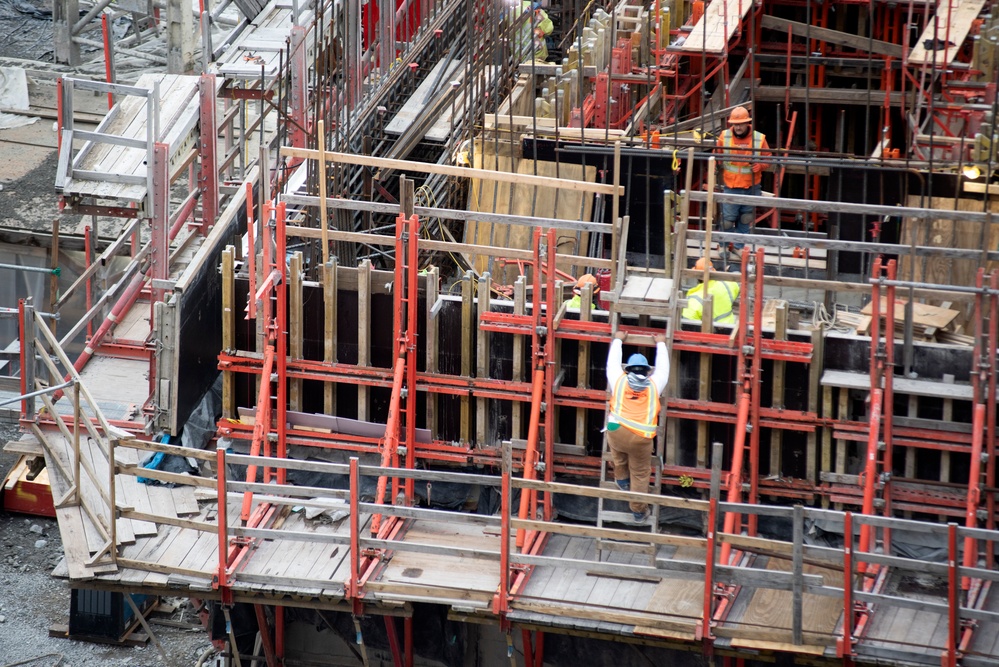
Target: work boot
623 484
641 517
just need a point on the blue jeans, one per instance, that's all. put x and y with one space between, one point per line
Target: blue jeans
732 213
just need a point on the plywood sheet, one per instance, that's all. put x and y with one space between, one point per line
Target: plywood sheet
772 609
943 233
519 199
923 315
677 599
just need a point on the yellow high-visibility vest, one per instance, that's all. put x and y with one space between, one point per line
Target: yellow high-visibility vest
723 296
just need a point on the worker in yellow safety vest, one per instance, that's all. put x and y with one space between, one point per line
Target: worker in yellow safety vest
633 416
742 174
576 302
536 27
723 295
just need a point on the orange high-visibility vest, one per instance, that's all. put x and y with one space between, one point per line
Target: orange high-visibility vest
740 174
637 411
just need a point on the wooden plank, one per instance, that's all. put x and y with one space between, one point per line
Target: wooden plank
677 599
771 609
636 287
363 332
947 28
859 42
563 183
923 315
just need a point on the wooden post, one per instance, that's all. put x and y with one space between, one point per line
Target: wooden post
827 455
295 315
583 362
704 379
433 342
482 360
814 388
323 220
842 413
180 37
776 434
228 329
363 332
65 13
669 207
519 308
329 331
798 578
466 353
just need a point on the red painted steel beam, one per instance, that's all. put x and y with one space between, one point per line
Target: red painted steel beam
265 635
261 426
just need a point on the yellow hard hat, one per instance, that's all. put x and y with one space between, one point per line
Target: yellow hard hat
739 115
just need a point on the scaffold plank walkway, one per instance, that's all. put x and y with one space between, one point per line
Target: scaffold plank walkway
721 20
945 32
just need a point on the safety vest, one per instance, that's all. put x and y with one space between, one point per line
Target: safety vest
637 411
723 295
534 30
577 302
740 174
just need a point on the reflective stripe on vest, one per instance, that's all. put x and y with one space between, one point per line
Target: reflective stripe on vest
729 143
638 411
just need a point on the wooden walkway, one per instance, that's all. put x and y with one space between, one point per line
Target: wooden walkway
301 553
950 25
101 168
712 33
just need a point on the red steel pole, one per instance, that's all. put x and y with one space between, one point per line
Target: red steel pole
754 419
888 406
953 620
846 648
974 489
281 265
261 426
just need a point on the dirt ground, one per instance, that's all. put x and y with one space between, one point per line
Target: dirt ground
32 600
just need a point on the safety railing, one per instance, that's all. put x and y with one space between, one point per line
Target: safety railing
857 587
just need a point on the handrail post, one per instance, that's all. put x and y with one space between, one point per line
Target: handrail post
505 490
797 562
845 648
709 571
953 601
355 530
222 576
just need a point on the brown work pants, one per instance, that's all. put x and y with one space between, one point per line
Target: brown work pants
632 456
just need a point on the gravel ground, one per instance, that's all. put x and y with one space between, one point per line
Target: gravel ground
31 601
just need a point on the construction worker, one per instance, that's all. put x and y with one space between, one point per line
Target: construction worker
741 177
536 29
633 416
723 295
576 301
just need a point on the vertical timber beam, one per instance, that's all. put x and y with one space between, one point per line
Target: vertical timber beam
330 331
466 354
295 316
583 362
159 208
814 389
65 13
519 308
482 360
228 329
433 343
776 434
363 332
180 37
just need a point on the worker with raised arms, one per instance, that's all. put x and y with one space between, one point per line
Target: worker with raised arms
633 415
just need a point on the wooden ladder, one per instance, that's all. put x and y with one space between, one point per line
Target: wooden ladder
630 296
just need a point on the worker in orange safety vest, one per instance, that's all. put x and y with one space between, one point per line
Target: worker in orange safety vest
633 416
741 176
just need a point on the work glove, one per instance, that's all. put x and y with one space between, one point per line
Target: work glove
757 167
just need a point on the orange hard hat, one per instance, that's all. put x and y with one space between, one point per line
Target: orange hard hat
739 115
701 264
586 279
